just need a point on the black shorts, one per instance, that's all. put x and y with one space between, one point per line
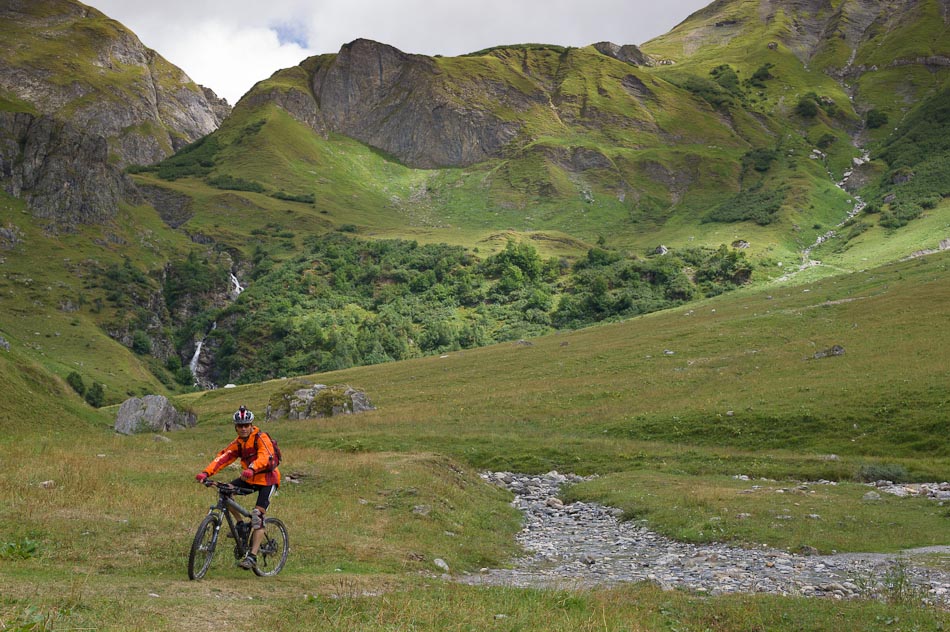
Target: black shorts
264 492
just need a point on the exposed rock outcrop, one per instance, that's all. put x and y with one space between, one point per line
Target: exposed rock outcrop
364 92
627 53
62 172
152 413
84 98
317 400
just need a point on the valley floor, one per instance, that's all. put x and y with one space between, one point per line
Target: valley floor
585 545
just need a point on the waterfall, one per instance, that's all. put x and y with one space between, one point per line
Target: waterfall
233 294
236 287
193 365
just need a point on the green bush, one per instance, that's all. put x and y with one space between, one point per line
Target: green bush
96 395
706 89
196 159
75 381
872 472
727 78
826 140
761 75
305 198
754 204
141 343
875 118
233 183
760 159
807 106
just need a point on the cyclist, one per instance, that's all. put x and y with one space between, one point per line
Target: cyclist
257 454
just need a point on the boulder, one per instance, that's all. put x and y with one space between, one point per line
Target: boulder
152 413
836 350
316 401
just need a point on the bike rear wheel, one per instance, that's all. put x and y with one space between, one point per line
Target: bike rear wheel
202 548
274 549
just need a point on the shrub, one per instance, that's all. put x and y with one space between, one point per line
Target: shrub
141 343
232 183
761 159
755 204
708 90
20 550
75 381
807 106
305 198
726 77
826 140
875 118
196 159
882 472
762 74
96 396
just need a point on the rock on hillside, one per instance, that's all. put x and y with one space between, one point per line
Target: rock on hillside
152 413
405 105
87 98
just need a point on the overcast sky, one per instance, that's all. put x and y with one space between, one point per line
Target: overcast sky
228 45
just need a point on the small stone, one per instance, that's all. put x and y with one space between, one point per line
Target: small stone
441 564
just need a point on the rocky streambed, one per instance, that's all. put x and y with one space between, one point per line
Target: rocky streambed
582 545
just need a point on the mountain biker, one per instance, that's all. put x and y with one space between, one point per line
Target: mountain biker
256 452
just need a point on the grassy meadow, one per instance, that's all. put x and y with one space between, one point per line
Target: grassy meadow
665 408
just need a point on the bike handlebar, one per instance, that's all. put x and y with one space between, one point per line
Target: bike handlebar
227 488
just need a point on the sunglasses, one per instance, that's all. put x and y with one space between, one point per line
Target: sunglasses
242 425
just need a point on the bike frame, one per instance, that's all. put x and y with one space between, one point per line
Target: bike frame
225 502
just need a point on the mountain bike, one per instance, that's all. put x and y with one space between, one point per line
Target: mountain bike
274 548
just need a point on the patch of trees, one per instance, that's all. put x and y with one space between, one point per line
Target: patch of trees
348 301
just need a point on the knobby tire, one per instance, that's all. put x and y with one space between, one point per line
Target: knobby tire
274 549
202 548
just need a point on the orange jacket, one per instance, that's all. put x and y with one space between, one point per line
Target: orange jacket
255 452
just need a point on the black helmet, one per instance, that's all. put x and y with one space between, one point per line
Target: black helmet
243 416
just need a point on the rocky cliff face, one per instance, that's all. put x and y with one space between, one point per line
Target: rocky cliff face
90 99
62 172
405 105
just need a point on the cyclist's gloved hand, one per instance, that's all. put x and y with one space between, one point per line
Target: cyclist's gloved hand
247 474
200 477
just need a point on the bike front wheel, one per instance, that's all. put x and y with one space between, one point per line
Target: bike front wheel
202 548
274 548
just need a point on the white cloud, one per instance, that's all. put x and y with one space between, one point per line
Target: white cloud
228 45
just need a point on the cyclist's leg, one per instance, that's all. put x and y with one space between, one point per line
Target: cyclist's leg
264 493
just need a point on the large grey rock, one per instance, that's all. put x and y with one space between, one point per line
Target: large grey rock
152 413
407 105
318 400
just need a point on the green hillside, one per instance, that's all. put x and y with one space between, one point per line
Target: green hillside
673 403
723 262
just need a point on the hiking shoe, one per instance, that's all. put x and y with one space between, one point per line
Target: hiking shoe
248 562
